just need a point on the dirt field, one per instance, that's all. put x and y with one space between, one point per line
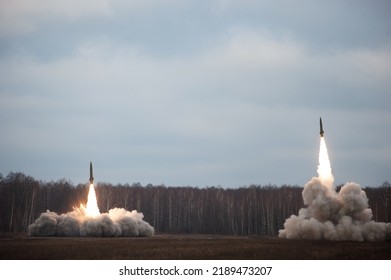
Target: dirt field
161 247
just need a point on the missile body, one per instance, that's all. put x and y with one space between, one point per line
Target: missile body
91 174
321 127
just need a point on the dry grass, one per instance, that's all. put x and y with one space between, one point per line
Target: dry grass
188 247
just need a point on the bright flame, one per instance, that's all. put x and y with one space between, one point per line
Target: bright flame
92 209
324 168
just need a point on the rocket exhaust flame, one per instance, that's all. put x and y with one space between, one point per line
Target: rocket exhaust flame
92 209
324 167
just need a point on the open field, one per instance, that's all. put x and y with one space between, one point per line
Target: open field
15 247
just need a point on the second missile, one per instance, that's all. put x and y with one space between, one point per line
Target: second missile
321 127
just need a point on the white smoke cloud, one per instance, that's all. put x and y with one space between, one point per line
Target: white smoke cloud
117 222
332 215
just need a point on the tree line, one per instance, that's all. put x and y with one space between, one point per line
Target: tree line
248 210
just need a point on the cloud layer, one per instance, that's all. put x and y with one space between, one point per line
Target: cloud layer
190 93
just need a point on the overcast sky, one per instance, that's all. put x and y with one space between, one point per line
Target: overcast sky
199 93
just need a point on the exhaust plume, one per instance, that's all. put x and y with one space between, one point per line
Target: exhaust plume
92 208
324 167
331 215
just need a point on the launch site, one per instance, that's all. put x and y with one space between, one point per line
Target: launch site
188 247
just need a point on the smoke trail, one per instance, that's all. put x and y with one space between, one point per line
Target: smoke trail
331 215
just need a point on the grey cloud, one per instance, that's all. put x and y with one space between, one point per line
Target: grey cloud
102 83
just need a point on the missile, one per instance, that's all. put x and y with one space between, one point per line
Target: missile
321 127
91 174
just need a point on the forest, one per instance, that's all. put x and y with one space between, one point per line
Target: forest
247 210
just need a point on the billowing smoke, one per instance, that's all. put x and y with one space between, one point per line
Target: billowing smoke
88 221
117 222
332 215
